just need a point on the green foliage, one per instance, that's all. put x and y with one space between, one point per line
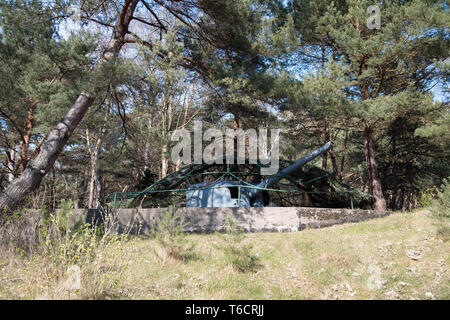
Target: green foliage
66 240
427 196
242 258
311 68
169 233
316 264
63 242
232 229
41 76
439 129
441 205
372 78
238 254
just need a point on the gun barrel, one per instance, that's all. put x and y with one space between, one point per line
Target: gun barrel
289 170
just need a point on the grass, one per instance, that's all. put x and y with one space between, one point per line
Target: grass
402 256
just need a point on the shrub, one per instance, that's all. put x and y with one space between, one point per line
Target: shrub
441 205
239 255
20 230
169 232
63 245
426 197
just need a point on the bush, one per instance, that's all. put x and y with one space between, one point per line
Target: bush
61 246
239 255
169 233
20 231
426 197
441 205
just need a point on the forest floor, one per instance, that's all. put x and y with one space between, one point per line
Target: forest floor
401 256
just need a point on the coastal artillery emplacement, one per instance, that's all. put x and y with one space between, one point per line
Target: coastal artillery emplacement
228 193
243 185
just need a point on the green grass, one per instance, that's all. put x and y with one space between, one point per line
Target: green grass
367 260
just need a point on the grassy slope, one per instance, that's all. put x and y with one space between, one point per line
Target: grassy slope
367 260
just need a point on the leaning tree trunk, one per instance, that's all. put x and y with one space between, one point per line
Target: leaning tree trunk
17 191
374 180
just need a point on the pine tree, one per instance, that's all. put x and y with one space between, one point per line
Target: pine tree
41 75
378 63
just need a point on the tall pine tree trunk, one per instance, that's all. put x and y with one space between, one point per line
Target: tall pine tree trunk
147 145
344 147
374 181
92 184
30 179
82 188
99 189
94 153
164 161
394 171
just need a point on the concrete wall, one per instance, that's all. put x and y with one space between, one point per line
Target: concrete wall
264 219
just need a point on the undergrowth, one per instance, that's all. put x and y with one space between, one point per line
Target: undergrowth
237 253
63 243
170 234
440 207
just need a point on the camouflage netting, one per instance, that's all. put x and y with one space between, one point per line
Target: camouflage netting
325 190
311 187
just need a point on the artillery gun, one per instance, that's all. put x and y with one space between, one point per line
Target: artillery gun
243 185
229 193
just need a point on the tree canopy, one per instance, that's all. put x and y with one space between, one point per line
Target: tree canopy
123 75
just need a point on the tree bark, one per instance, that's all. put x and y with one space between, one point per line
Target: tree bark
374 180
30 179
25 142
334 163
82 189
164 161
11 160
99 189
344 147
94 151
394 170
147 145
325 154
94 160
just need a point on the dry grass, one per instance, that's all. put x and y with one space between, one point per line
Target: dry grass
402 256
